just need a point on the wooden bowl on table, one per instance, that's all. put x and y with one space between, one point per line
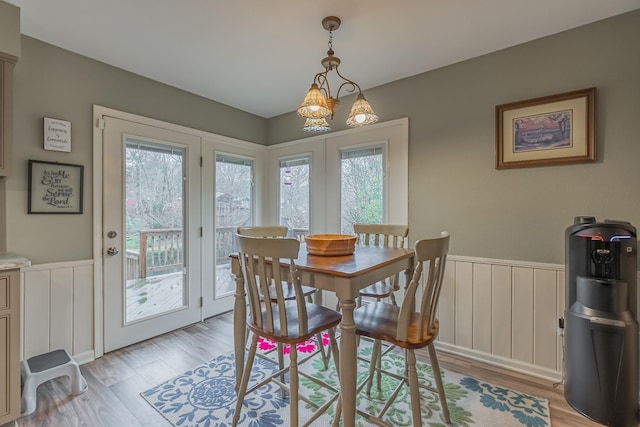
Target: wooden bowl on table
331 244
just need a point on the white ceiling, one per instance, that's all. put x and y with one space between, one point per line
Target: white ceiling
261 55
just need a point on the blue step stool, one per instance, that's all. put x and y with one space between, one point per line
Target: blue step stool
45 367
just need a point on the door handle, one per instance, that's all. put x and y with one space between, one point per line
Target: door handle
112 251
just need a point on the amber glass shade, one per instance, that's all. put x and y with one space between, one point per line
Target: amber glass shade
316 125
314 105
361 113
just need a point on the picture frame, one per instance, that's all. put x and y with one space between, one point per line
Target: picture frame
57 135
551 130
55 188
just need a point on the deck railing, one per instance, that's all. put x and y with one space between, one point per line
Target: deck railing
133 264
159 250
163 250
225 244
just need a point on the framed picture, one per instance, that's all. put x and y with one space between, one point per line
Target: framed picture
557 129
54 188
57 135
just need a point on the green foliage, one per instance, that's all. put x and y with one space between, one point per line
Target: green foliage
362 191
294 196
154 188
234 193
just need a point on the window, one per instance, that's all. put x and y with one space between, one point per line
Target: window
234 191
361 187
234 202
295 195
355 175
154 228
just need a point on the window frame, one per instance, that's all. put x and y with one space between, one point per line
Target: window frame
325 166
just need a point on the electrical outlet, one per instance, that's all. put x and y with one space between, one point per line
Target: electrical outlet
561 326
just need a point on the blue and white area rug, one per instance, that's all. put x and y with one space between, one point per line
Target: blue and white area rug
205 397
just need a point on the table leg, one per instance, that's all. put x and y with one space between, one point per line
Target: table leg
408 275
348 362
239 327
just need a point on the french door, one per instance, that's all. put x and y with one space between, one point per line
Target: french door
151 240
230 171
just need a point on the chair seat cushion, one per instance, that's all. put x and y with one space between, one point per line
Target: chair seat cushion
379 320
377 290
319 319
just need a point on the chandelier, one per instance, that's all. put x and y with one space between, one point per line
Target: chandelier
320 103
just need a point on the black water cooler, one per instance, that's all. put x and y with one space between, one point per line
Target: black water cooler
600 328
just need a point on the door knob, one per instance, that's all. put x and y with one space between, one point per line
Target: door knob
112 251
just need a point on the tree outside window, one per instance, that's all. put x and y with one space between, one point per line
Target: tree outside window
362 187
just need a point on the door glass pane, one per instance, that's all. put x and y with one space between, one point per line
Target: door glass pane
361 187
294 196
155 212
233 209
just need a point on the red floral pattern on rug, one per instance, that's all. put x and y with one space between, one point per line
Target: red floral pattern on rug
308 346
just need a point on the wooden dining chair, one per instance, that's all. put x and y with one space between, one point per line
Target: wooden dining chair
275 231
411 326
390 235
308 291
264 230
267 261
382 235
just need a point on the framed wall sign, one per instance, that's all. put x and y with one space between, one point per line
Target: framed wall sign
557 129
57 135
54 188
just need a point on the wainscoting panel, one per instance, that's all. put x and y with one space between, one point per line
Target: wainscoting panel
504 312
35 312
83 308
463 303
522 314
545 318
447 305
61 309
58 309
501 292
482 298
497 311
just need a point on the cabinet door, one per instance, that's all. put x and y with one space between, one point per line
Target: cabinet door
9 350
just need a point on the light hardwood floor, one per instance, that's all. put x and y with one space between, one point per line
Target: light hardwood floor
116 379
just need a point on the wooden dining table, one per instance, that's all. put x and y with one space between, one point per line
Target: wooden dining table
344 276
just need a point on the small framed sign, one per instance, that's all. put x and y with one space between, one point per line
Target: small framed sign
57 135
54 188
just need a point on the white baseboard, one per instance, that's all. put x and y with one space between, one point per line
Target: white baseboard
86 357
502 362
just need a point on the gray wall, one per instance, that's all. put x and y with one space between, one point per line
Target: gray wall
516 214
9 29
52 82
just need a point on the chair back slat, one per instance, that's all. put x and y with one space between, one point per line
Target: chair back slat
430 261
381 234
251 285
263 264
392 235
